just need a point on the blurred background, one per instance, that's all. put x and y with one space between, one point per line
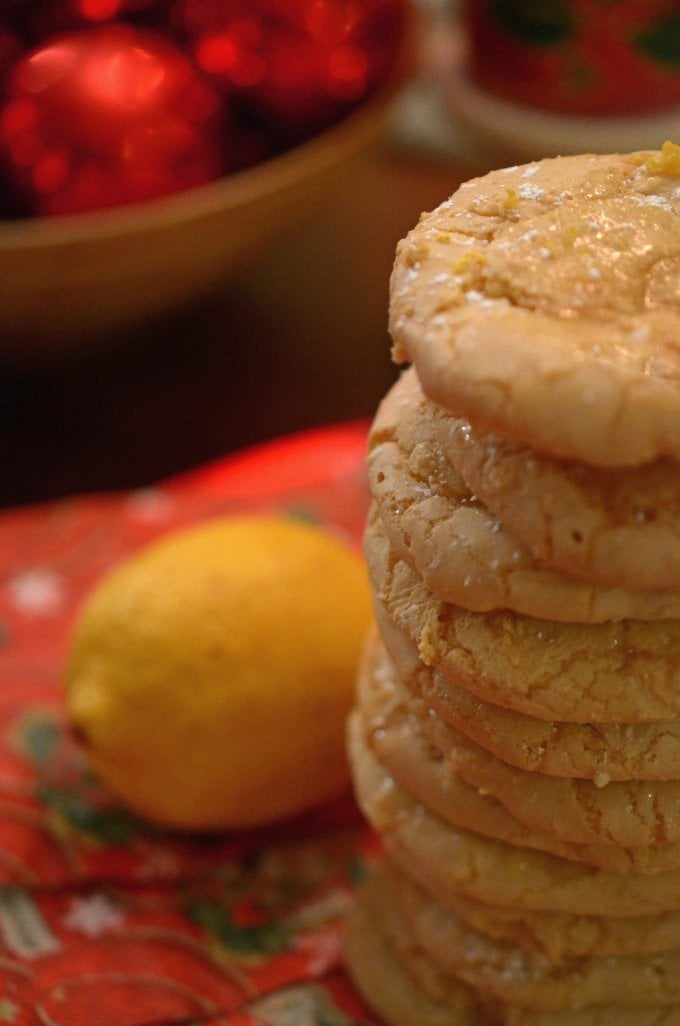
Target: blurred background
291 333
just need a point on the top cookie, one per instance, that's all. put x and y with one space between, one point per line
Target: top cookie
543 301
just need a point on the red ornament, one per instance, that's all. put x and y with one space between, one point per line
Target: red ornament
10 50
106 116
45 18
104 10
297 64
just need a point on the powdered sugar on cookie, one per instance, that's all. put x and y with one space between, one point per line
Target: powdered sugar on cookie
563 329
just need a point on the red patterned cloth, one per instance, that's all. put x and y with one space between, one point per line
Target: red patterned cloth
104 920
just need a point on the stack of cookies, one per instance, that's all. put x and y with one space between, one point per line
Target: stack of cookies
516 741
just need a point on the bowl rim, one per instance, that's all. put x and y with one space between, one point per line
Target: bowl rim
246 185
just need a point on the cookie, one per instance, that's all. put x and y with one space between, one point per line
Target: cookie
448 773
541 301
447 861
558 935
386 982
602 1015
630 814
508 975
601 752
395 983
613 528
462 552
615 672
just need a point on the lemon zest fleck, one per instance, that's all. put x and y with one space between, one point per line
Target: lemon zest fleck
468 260
571 235
668 162
511 201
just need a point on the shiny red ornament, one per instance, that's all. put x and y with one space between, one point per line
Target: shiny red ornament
43 18
296 64
10 50
106 116
103 10
76 12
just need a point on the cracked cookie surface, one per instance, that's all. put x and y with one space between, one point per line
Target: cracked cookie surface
448 861
593 751
462 551
613 528
542 302
451 776
615 672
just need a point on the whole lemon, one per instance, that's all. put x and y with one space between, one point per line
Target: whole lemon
210 676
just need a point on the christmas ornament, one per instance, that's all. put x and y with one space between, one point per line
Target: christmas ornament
107 116
104 102
10 50
105 10
296 64
41 19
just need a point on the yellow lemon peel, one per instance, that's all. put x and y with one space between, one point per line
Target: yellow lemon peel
469 260
511 201
668 161
571 234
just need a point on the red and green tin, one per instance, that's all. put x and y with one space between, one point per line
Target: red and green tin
599 57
